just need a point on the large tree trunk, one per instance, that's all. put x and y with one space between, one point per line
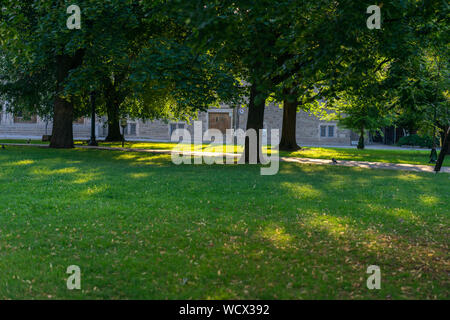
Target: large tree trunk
114 99
255 121
113 110
288 134
62 132
444 151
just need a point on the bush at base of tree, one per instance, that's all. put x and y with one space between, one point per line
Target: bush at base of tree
416 140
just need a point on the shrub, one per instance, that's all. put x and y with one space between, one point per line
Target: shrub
416 140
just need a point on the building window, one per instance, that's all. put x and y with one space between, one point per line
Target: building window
132 129
175 126
323 131
172 128
327 131
330 131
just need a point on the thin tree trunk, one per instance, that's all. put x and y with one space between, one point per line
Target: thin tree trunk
444 151
442 133
288 134
255 121
62 132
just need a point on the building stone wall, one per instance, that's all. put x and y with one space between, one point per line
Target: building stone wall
158 130
308 127
11 129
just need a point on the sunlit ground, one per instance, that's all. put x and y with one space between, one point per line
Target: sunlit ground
421 157
140 227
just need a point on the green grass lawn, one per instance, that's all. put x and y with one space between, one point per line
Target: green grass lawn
140 227
421 157
22 141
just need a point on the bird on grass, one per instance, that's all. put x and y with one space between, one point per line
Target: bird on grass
29 141
3 146
334 161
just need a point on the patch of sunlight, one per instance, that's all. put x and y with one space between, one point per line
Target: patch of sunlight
126 156
68 170
332 225
143 158
158 146
215 148
302 191
409 177
22 163
84 178
340 229
397 213
196 147
153 159
65 170
277 235
429 200
140 175
405 214
94 190
370 239
316 153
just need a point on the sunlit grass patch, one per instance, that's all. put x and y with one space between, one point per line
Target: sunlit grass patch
93 190
277 236
429 200
140 175
22 163
369 155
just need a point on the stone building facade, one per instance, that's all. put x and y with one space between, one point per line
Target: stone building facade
310 129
